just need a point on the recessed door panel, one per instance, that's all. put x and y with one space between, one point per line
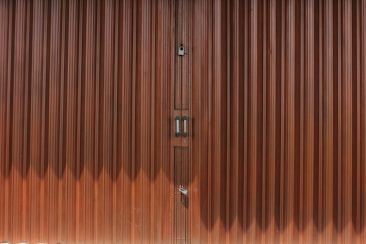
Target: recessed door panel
181 194
181 116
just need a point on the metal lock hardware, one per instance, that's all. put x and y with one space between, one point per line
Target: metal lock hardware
181 50
183 191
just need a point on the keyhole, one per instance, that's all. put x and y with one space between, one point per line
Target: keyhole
181 50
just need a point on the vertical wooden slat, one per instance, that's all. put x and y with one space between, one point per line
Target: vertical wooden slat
297 139
19 173
356 130
116 169
328 119
347 120
201 113
53 114
80 159
301 123
161 81
218 172
5 33
262 212
233 179
309 119
320 111
253 120
71 122
26 142
278 117
105 160
153 120
35 121
363 114
338 173
245 94
271 124
143 227
281 172
44 186
125 95
199 209
290 121
9 122
168 41
99 131
135 185
317 184
62 187
89 120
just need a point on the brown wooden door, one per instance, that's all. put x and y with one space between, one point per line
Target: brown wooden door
274 92
182 135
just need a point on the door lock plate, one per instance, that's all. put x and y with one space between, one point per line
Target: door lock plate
181 50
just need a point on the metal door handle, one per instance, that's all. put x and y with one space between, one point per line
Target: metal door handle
185 126
177 126
183 191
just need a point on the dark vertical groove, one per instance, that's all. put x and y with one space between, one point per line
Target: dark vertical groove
335 111
66 49
81 120
260 113
11 91
363 119
27 110
116 169
317 135
4 29
28 75
46 80
9 126
279 30
355 114
297 106
64 77
134 114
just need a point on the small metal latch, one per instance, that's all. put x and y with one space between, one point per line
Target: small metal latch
181 50
182 190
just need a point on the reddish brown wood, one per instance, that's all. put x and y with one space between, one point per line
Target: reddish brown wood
275 93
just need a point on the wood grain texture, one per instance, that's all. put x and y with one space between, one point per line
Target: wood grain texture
275 92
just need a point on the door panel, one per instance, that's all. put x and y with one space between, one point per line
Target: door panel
181 201
181 142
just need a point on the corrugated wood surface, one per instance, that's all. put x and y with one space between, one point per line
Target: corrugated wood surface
277 107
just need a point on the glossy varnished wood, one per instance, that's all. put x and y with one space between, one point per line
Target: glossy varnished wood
275 92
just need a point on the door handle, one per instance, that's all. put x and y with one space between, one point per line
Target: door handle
183 191
177 126
185 126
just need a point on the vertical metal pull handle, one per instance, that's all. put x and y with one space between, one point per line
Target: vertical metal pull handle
185 126
177 126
